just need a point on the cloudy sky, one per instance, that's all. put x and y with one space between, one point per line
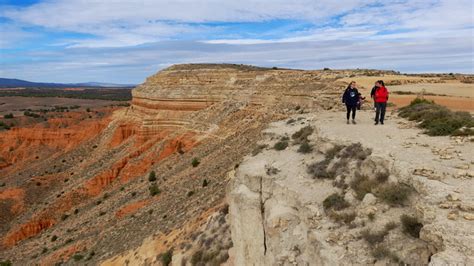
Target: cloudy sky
124 41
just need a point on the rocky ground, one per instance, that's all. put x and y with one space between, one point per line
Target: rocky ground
277 207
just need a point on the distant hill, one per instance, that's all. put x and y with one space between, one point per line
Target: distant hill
9 83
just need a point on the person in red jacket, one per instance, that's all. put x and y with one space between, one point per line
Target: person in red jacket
381 98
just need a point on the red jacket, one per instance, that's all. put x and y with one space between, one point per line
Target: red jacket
381 95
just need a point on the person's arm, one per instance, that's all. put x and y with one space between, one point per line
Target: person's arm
344 95
372 92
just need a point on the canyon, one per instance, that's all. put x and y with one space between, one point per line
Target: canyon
182 173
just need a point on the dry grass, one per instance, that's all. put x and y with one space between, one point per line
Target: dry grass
335 202
302 135
394 194
411 225
343 217
373 237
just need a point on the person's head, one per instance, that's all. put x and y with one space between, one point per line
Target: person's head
352 85
379 83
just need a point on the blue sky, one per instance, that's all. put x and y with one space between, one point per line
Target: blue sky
124 41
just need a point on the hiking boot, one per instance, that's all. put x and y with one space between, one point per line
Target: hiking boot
347 122
353 122
376 123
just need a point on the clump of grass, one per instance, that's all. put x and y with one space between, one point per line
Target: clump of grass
394 194
152 176
259 149
154 190
205 183
390 225
190 193
332 152
343 217
54 238
281 145
290 121
5 263
355 151
305 147
362 185
166 257
302 135
380 252
195 162
411 225
437 120
382 176
371 216
320 170
373 237
78 257
336 202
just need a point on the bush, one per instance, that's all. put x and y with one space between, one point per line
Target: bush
154 190
197 257
411 225
437 120
302 134
78 257
362 185
205 183
195 162
6 263
280 145
354 151
331 153
320 170
390 226
190 193
305 147
166 257
380 252
152 176
343 217
382 176
373 238
259 149
9 116
394 194
335 202
54 238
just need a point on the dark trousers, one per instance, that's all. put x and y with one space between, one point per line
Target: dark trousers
351 108
380 112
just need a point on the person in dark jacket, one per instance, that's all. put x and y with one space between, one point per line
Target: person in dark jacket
351 99
381 98
372 95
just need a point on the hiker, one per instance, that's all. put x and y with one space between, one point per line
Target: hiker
381 98
351 99
372 94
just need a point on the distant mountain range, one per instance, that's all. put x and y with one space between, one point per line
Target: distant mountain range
14 83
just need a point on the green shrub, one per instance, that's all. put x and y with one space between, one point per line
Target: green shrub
190 193
152 176
78 257
382 176
6 263
381 252
195 162
280 145
302 134
154 190
197 257
259 149
394 194
411 225
335 202
390 226
205 183
305 147
373 237
9 116
320 170
332 152
166 257
438 120
54 238
353 151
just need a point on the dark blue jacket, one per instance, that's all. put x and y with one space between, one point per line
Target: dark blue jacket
350 97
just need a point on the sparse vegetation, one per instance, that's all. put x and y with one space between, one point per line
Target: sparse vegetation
305 147
78 257
190 193
411 225
5 263
335 202
302 135
4 126
373 237
166 257
152 176
394 194
291 120
205 183
362 185
54 238
281 145
390 225
154 190
438 120
195 162
343 217
9 116
259 149
382 176
380 252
